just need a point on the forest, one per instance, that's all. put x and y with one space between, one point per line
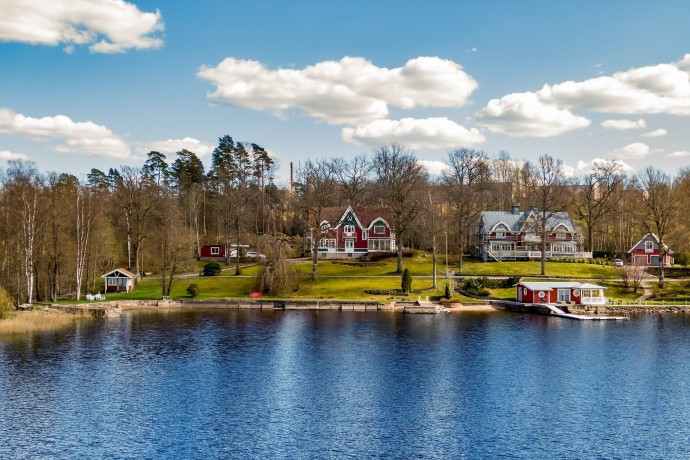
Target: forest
60 233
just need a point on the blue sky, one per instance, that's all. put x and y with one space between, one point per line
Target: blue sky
97 84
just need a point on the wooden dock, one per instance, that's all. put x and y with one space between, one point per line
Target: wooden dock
552 310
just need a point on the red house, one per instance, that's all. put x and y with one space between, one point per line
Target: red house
560 292
352 232
220 252
646 252
119 280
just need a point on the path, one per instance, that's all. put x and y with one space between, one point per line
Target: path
647 290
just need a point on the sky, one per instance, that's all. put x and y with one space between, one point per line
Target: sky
99 83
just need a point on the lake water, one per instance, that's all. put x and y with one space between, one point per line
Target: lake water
291 384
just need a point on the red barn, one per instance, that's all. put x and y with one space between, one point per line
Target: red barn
220 252
560 291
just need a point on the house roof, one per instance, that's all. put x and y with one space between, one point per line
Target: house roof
365 216
548 285
516 221
122 271
655 238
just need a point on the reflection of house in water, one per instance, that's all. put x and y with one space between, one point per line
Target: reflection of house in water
515 235
353 232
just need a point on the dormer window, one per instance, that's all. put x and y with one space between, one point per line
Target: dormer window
649 246
379 229
349 230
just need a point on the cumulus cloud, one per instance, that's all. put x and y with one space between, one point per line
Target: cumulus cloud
525 114
433 167
584 167
663 88
656 133
112 26
634 151
7 155
349 91
679 154
82 137
172 146
624 124
414 133
656 89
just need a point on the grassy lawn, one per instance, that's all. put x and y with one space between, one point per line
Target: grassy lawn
672 290
348 279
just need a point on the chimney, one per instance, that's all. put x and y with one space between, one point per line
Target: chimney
515 209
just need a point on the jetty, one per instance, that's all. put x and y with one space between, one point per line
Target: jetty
551 310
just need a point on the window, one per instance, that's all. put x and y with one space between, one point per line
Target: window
649 246
327 243
215 250
379 245
112 281
365 234
349 229
500 234
379 229
561 236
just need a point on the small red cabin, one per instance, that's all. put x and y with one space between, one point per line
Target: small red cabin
560 292
119 280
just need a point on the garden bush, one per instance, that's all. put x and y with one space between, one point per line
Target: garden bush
212 269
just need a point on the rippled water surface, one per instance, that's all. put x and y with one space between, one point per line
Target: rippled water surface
252 384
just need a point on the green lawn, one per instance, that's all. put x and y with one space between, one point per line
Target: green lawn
347 280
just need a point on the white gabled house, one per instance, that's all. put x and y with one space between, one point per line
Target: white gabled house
514 235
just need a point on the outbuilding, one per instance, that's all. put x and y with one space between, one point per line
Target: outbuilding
119 280
560 292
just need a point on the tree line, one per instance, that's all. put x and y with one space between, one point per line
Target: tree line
60 233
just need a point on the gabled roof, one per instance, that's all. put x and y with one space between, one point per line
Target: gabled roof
517 221
655 238
548 285
119 273
364 216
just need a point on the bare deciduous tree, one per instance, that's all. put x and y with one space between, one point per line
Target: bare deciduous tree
547 189
660 199
399 178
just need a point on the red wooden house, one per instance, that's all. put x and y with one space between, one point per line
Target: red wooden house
646 252
119 280
560 292
220 252
352 232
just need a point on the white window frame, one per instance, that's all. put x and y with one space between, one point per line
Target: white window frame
349 229
365 234
215 250
382 229
649 246
349 244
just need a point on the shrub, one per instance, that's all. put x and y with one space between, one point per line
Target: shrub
212 269
406 282
193 290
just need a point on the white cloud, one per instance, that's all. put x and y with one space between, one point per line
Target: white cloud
624 124
634 151
434 167
349 91
656 133
83 137
657 89
7 155
111 26
172 146
662 88
430 133
584 167
524 114
679 154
